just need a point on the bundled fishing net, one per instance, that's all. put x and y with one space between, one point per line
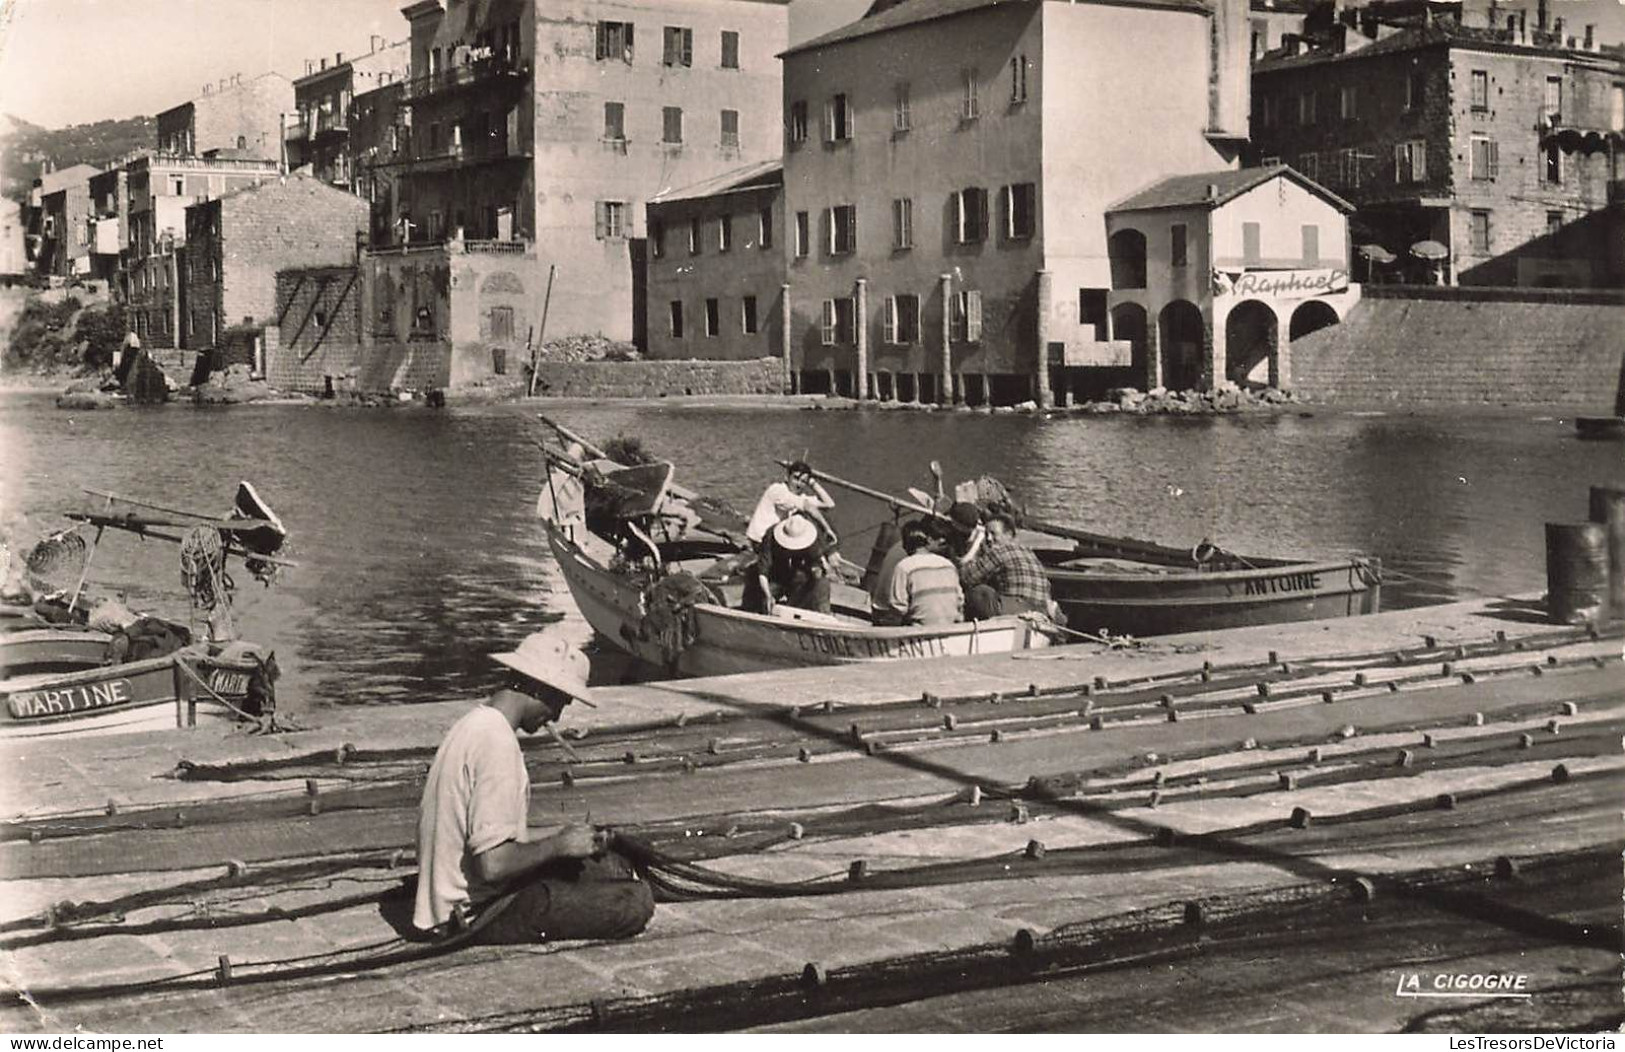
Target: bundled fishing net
56 563
669 617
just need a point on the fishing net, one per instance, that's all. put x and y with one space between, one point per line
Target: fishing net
203 573
56 563
669 613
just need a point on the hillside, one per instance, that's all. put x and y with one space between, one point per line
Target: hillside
24 147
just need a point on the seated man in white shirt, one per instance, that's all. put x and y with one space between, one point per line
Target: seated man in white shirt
800 492
481 869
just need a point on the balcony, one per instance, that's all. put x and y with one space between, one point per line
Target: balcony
467 155
490 72
295 131
331 124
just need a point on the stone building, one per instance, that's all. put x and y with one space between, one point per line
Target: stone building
236 244
234 114
378 144
58 203
948 166
318 134
1501 144
161 186
716 267
1214 274
554 127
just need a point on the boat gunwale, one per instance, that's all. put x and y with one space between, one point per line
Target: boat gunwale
1352 563
862 631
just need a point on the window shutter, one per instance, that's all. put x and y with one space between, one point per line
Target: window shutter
1419 162
601 220
602 47
1495 158
1399 162
981 218
626 46
828 330
973 316
889 320
828 129
852 228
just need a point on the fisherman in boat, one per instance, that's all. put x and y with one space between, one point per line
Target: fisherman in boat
999 575
480 867
790 568
925 587
800 493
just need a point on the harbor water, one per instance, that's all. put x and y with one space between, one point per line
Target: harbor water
419 553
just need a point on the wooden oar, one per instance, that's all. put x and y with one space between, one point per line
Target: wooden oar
857 487
1125 546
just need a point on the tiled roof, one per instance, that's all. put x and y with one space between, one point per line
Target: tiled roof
1438 33
762 173
913 12
1190 191
62 178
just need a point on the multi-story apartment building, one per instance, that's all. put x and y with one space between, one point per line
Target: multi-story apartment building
66 227
236 243
1501 144
109 223
48 240
554 125
717 267
161 187
948 169
234 114
378 142
318 134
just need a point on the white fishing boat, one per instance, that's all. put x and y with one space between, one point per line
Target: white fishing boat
711 639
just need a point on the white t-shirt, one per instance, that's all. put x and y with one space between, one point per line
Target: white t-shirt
477 796
778 503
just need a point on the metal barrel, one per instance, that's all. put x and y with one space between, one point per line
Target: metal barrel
1608 510
887 536
1576 572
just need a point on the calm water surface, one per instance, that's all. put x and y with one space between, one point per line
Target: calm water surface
419 554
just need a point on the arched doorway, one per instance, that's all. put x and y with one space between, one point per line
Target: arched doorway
1179 333
1126 253
1128 323
1311 316
1249 341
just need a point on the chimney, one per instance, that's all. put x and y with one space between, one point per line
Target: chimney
1591 36
1212 191
338 58
310 65
324 63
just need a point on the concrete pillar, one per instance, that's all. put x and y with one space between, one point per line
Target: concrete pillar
1153 353
1281 353
789 377
1213 361
946 395
1046 285
860 336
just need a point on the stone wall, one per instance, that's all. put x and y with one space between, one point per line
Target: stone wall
1468 346
656 379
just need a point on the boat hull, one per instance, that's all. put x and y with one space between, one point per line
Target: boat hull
176 690
1154 604
26 650
725 641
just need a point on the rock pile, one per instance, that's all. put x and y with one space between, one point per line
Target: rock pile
233 385
1226 399
593 348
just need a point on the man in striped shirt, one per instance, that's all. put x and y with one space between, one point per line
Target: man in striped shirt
925 585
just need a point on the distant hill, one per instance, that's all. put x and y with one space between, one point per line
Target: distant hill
24 147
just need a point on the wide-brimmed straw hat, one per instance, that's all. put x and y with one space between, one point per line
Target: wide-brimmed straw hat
795 534
548 658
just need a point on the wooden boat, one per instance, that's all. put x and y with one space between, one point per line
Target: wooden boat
202 681
717 640
699 632
1124 586
60 675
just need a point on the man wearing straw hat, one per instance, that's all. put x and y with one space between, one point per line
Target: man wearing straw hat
482 872
790 569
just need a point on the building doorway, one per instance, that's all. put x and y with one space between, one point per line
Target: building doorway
1250 334
1180 334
